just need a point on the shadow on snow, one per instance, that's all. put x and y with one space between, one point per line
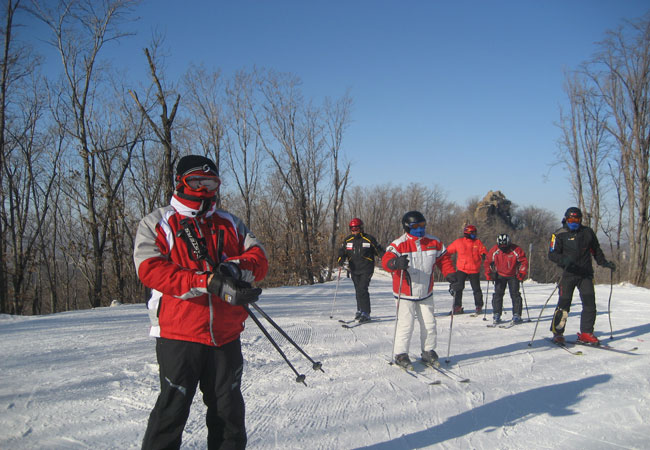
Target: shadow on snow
555 400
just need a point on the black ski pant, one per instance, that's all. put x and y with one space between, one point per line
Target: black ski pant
361 282
499 290
567 286
217 371
475 282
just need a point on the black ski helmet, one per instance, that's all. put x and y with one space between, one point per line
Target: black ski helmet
503 240
191 163
573 212
410 218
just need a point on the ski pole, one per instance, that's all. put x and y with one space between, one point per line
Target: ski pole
315 365
451 324
399 296
338 278
299 377
609 302
487 296
525 302
530 344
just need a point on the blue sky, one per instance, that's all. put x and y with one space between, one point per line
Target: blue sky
464 95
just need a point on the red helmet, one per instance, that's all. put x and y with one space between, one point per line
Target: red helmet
356 223
470 229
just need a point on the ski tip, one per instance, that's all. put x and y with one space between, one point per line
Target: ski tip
436 382
466 380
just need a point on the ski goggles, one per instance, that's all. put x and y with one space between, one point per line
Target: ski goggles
355 228
573 219
417 225
201 182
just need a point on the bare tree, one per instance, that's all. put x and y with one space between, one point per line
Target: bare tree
79 31
167 116
285 121
584 146
243 148
337 119
206 121
621 74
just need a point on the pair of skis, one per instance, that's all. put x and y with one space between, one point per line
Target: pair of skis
569 347
508 324
354 323
425 378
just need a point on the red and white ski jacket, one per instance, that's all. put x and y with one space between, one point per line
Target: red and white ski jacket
507 263
469 254
180 306
423 254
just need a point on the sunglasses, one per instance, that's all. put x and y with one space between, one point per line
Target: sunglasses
202 183
573 220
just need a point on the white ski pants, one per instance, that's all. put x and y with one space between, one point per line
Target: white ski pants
408 312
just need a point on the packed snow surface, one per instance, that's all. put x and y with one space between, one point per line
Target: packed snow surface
88 379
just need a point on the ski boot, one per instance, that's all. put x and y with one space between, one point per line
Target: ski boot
479 310
516 319
357 316
558 338
588 338
430 358
496 319
458 310
402 360
364 317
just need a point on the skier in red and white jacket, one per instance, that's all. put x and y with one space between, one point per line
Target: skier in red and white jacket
198 262
412 258
506 264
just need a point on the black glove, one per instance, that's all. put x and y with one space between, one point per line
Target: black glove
610 265
399 263
452 278
235 292
230 269
493 275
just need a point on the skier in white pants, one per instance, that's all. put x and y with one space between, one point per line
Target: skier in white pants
412 258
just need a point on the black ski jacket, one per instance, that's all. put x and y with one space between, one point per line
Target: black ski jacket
572 250
360 250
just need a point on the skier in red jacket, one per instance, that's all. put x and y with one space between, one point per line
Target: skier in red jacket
470 252
506 264
198 262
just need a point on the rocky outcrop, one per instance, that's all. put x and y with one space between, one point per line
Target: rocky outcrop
494 210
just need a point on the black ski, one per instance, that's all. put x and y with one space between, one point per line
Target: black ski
564 347
358 324
347 321
450 374
602 346
418 376
494 325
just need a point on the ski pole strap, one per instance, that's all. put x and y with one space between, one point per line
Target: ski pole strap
196 245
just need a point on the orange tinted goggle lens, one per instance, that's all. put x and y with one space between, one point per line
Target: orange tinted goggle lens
198 183
573 220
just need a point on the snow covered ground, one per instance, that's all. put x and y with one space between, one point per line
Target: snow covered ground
88 379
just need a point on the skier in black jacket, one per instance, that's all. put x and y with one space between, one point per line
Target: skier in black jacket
360 249
572 247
